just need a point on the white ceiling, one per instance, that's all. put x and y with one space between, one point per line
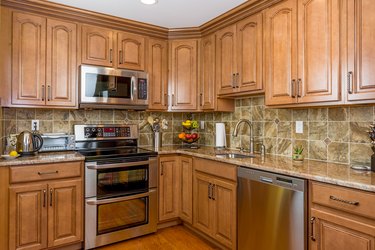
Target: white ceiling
166 13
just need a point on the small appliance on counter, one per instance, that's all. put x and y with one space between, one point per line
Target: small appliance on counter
29 143
57 142
372 137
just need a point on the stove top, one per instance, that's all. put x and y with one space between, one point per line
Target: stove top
121 152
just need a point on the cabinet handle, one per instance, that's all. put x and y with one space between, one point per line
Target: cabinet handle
237 80
166 103
162 169
43 93
209 191
350 82
213 191
173 100
110 55
120 57
299 88
354 203
201 99
50 197
234 81
44 197
312 233
49 97
293 86
49 172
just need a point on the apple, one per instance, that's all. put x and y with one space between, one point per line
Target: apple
187 136
194 136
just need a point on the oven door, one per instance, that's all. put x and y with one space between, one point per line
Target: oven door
118 179
120 218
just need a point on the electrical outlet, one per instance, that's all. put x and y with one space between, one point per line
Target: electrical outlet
34 125
299 127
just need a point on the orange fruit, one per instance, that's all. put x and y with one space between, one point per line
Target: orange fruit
181 135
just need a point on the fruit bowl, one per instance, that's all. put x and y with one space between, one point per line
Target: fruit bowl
189 138
9 157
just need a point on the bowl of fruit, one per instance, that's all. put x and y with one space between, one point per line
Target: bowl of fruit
188 137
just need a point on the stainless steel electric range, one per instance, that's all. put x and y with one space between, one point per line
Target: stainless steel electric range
120 184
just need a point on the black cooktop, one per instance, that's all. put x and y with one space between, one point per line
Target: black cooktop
111 153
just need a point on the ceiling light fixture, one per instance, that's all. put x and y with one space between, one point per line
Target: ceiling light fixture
149 2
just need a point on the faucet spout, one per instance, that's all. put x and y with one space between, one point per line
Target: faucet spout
236 130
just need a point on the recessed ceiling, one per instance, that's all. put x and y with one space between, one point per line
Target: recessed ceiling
166 13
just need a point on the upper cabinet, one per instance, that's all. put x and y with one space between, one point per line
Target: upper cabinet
207 95
158 74
43 61
109 48
239 57
360 70
184 74
311 73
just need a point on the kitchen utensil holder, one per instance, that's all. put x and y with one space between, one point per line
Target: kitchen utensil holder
157 140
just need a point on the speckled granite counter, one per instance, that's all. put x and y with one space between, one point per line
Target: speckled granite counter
53 157
338 174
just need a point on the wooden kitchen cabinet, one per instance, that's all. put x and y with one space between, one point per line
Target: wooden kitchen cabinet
158 74
169 187
359 72
341 218
131 51
47 213
43 61
310 74
184 74
97 46
186 208
215 200
207 95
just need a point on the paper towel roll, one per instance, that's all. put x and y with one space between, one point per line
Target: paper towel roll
220 135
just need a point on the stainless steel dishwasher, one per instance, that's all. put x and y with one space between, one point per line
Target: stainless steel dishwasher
271 211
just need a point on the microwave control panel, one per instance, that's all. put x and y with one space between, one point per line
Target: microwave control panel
107 132
142 89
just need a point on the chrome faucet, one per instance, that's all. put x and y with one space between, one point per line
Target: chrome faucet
235 133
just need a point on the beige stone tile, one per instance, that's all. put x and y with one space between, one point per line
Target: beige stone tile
60 115
304 144
338 131
77 115
358 132
271 145
361 114
257 113
317 150
304 135
318 114
284 147
360 153
61 127
246 113
300 114
284 114
208 117
167 138
43 114
218 117
107 115
258 128
25 114
246 102
257 101
23 125
270 129
46 126
134 115
227 116
338 114
9 127
317 130
338 152
120 115
236 115
284 129
92 115
145 139
270 114
9 113
238 103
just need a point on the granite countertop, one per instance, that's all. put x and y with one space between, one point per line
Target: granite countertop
338 174
50 157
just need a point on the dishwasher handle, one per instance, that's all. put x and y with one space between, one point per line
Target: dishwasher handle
265 179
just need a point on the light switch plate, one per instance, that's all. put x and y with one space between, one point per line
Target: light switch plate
299 127
202 125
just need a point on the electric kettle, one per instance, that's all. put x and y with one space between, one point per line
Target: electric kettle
28 143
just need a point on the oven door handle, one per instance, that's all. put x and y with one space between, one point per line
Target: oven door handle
94 166
119 199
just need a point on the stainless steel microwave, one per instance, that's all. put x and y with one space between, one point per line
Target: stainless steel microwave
102 87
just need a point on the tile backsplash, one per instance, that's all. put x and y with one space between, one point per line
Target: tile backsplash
330 134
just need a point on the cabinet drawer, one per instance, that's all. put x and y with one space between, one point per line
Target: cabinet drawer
44 172
220 169
345 199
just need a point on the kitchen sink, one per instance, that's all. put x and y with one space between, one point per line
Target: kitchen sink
234 155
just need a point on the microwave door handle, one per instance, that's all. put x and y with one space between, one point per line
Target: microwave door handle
132 87
119 199
117 165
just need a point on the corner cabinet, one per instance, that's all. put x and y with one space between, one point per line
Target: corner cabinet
311 73
45 206
184 74
44 61
158 74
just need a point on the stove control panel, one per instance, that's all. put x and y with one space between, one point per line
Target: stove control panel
102 132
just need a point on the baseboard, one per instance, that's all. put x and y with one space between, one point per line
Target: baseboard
171 223
204 237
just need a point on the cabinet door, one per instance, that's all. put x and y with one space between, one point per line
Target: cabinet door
332 232
169 188
158 74
207 94
250 53
202 217
225 215
61 67
281 53
97 46
360 72
184 74
28 217
226 60
131 51
319 51
65 212
186 212
28 59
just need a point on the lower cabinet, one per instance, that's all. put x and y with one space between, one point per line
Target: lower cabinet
186 208
341 218
46 213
